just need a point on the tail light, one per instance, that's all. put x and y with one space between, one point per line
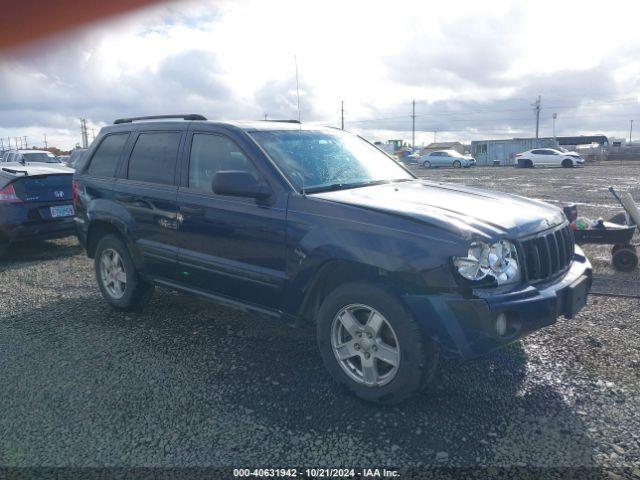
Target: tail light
75 189
8 194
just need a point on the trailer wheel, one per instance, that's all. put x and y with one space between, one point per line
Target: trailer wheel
624 259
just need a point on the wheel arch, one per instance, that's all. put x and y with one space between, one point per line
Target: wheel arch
335 273
100 227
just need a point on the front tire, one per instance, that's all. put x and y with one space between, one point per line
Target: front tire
457 164
370 343
117 277
566 163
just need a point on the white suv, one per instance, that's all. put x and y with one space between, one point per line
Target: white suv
548 157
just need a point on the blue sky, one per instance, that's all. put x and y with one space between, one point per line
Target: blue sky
474 68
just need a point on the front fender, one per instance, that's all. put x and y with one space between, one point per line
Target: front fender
322 232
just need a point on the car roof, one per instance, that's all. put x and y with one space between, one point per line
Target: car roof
34 151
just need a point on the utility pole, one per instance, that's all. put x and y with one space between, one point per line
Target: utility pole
536 106
434 136
630 131
342 114
93 134
265 117
45 142
413 125
83 131
555 115
25 142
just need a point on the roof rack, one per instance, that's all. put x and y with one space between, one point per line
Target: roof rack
188 116
282 121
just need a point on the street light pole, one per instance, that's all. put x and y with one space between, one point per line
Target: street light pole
555 115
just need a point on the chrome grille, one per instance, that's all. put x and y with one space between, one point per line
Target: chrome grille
547 254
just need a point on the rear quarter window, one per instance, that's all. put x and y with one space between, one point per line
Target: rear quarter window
105 161
154 157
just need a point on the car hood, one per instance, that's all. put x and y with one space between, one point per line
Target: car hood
470 212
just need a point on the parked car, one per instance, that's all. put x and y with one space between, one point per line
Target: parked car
31 156
446 158
310 224
75 156
548 157
35 202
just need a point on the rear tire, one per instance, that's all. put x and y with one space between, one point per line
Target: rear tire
117 277
367 327
426 164
624 259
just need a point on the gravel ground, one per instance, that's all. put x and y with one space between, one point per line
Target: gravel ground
188 383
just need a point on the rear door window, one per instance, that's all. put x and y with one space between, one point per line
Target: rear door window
211 154
154 157
105 160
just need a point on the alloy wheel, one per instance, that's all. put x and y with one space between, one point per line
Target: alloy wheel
365 345
112 273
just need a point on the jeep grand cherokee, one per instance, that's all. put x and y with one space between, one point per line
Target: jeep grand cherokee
317 225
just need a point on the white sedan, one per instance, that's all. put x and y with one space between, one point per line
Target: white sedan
446 158
548 157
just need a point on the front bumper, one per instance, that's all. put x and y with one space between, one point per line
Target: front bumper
466 327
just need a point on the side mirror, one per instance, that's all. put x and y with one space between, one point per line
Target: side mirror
239 184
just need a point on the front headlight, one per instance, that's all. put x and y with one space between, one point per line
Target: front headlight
498 261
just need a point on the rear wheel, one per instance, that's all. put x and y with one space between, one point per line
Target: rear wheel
370 343
426 164
117 278
624 259
457 164
566 163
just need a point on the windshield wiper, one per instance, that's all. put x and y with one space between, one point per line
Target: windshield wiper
344 186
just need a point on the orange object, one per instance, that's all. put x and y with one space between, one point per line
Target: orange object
25 21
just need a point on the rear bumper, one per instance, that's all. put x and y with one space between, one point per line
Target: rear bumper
32 221
42 230
466 327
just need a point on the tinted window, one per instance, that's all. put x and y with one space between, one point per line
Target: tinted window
40 157
211 154
538 152
105 160
154 157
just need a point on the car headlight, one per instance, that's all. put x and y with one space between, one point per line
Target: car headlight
498 262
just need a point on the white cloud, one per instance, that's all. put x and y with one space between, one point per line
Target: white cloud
473 67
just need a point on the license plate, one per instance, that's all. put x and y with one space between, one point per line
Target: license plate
576 297
62 211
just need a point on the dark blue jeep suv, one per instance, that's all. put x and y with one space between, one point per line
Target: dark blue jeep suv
317 225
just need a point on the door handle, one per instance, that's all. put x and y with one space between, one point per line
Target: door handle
193 211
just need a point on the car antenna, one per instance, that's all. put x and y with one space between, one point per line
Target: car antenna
295 60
